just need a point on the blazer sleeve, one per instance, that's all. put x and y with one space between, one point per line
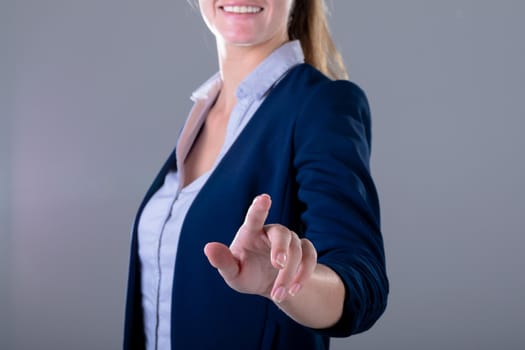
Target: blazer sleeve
340 209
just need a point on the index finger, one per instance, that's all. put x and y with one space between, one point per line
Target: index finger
257 214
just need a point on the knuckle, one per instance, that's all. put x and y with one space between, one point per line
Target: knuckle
295 243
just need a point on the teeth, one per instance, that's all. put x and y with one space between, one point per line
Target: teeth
242 9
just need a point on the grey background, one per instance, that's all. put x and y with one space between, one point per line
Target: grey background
92 94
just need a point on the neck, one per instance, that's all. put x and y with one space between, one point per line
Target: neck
236 62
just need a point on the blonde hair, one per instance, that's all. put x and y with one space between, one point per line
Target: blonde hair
309 25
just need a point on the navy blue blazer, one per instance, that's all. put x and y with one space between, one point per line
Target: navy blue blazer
308 147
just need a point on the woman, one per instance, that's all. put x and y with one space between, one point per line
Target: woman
273 140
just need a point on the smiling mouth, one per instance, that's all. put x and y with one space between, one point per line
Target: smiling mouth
242 9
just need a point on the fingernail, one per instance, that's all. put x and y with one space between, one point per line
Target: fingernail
279 295
294 289
280 259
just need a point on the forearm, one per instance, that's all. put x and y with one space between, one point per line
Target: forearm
319 303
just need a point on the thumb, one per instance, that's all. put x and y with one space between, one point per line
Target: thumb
220 257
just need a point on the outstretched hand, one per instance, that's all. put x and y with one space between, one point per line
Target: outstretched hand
268 260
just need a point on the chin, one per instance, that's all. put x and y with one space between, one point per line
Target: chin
242 42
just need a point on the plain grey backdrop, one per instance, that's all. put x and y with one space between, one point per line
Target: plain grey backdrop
93 93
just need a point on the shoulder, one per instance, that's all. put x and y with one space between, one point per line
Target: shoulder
306 77
325 102
329 109
309 90
313 103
